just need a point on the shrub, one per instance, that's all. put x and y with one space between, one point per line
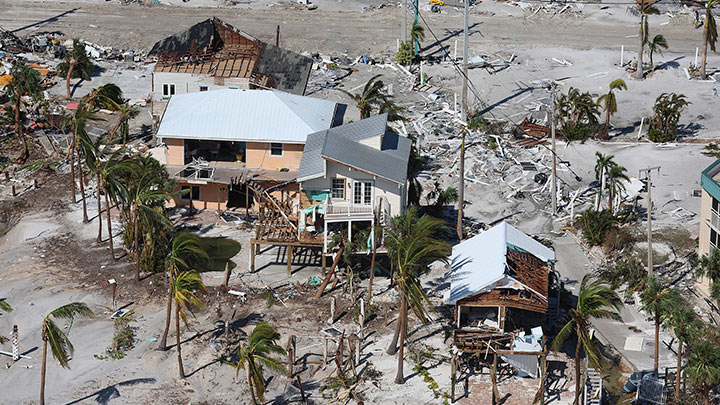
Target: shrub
579 132
627 271
594 225
404 55
616 239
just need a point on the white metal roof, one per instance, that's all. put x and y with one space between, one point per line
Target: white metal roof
245 115
480 261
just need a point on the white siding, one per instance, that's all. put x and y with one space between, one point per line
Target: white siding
394 194
190 83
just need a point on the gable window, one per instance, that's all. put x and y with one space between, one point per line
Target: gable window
168 90
203 87
186 193
276 149
338 189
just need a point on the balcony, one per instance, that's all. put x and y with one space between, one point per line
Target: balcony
347 210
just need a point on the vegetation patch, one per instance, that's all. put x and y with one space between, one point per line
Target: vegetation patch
123 341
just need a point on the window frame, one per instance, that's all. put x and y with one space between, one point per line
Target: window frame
362 187
274 144
186 196
333 188
168 89
204 87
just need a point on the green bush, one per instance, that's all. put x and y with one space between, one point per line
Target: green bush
579 132
404 55
656 135
594 225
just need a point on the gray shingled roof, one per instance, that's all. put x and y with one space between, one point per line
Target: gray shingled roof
342 144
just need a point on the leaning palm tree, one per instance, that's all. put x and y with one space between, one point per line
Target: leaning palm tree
660 301
657 44
81 144
111 169
60 345
595 300
254 354
710 34
615 177
184 287
25 81
703 367
686 326
602 166
609 101
412 245
77 65
185 252
372 95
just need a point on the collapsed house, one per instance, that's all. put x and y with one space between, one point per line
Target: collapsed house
213 54
500 282
216 140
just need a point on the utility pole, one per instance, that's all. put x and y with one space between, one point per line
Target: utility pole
553 182
639 70
416 45
648 171
461 191
465 110
404 25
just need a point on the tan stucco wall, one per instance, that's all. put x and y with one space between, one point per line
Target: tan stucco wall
213 196
258 156
703 283
175 151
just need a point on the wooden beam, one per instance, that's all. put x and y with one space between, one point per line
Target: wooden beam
330 273
289 259
252 255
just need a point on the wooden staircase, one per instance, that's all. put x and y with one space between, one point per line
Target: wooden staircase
276 221
593 387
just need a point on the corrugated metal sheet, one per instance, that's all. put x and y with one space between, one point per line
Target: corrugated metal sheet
480 261
245 115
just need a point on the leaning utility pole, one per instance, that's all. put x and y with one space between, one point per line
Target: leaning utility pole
465 109
649 216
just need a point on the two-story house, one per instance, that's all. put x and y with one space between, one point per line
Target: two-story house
215 140
349 172
213 55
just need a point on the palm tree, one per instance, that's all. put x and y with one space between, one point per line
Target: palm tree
660 301
144 196
76 65
60 345
709 266
185 252
127 112
261 342
666 115
4 306
25 81
703 367
111 167
371 95
602 166
417 35
616 175
710 34
81 144
609 102
184 287
595 300
686 325
657 44
412 245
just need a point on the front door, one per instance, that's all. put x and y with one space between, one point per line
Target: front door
362 193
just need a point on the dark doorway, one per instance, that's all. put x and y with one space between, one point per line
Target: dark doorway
237 196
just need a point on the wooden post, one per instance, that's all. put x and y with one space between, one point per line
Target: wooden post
332 311
325 353
339 356
35 183
453 380
291 355
114 290
493 377
289 259
330 273
358 347
226 278
15 344
543 367
302 391
501 321
323 262
252 257
12 189
7 176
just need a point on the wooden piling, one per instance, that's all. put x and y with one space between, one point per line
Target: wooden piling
252 257
7 176
12 189
290 251
302 390
453 377
332 311
323 262
291 354
325 353
35 183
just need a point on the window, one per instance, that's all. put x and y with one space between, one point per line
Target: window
185 192
276 149
168 90
362 193
714 242
203 87
338 189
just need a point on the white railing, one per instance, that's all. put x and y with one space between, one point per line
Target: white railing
346 208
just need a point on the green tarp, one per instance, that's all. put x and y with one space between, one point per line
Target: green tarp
317 195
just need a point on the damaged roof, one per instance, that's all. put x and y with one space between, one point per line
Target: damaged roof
216 48
245 115
366 145
481 262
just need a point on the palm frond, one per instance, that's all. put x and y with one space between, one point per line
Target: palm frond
4 306
61 347
72 310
